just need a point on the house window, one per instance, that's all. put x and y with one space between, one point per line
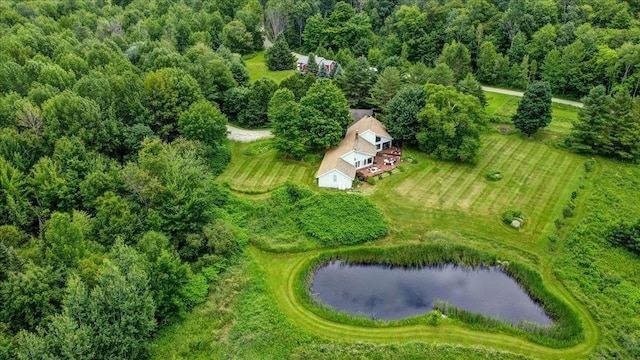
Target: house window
369 160
378 146
358 163
335 178
378 139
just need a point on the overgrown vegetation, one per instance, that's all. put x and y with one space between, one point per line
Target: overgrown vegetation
340 219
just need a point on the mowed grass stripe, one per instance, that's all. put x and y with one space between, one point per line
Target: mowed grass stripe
416 178
263 172
534 197
494 190
524 190
441 171
554 192
250 168
510 184
470 179
251 179
435 198
269 173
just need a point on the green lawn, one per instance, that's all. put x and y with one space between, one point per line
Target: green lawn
258 69
503 107
260 171
537 179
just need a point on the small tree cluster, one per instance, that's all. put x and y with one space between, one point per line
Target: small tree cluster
316 122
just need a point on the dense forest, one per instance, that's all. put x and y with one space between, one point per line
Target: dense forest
112 131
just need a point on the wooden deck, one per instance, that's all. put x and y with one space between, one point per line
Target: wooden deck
386 160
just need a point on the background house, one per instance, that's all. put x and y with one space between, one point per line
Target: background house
303 60
364 139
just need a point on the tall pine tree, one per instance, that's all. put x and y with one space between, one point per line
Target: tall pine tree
279 56
534 110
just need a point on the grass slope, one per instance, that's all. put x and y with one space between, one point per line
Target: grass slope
258 69
251 172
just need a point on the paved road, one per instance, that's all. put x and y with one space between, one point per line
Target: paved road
518 93
243 135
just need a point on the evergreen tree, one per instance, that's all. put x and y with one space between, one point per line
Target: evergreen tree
386 87
357 81
312 64
322 72
534 110
279 56
470 86
336 71
590 132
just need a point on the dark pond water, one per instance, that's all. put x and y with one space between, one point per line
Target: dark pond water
393 293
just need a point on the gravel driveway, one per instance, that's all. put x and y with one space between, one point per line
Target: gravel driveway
242 135
520 94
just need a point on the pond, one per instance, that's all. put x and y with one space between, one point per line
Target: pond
382 292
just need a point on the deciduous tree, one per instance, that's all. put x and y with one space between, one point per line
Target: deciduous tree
450 124
203 122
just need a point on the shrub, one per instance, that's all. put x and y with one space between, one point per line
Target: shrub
625 235
558 223
493 175
567 212
380 177
340 219
401 168
590 165
510 214
371 181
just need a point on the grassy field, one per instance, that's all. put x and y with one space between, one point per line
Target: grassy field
431 201
503 107
257 168
258 68
537 179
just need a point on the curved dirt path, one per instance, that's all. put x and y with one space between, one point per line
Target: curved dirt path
520 94
244 135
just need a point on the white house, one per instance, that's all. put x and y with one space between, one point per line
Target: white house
364 139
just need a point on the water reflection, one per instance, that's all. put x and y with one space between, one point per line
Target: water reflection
394 293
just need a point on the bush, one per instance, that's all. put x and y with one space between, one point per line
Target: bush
558 223
493 175
567 212
590 165
625 235
340 219
401 168
371 181
511 214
